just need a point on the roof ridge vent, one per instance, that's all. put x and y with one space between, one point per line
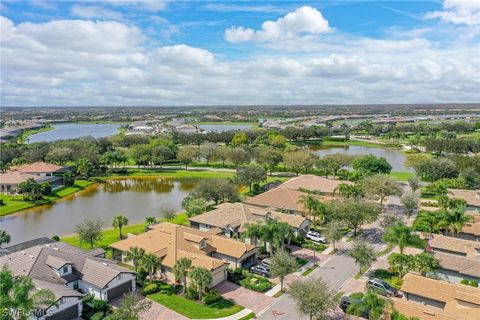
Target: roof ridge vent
24 253
32 256
55 248
105 264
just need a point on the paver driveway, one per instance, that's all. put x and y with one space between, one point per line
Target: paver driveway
252 300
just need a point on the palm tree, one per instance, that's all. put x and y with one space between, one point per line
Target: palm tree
401 263
333 232
414 182
151 263
180 269
4 238
364 255
309 202
425 263
150 220
135 255
202 279
320 211
119 222
399 234
348 191
431 222
455 219
281 232
252 231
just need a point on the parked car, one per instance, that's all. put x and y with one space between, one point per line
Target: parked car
382 288
267 263
346 301
315 236
260 270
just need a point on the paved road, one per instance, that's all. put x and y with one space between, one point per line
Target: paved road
335 271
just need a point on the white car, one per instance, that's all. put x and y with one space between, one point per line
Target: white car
315 236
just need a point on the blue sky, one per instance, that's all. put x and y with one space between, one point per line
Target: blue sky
239 52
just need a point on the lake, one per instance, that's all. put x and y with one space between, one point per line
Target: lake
75 130
225 127
393 156
135 198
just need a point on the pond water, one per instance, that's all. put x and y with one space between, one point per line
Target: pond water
134 198
75 130
225 127
393 156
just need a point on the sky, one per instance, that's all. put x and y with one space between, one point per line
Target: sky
168 53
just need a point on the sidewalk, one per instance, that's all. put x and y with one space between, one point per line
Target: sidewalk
235 316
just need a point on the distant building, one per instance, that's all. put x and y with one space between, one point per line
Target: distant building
472 197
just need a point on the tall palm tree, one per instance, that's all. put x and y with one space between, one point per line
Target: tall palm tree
399 234
151 263
333 232
430 222
282 232
119 222
455 219
309 202
180 269
4 238
202 279
348 191
252 231
135 255
320 211
425 263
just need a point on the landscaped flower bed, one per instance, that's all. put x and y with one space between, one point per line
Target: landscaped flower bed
249 280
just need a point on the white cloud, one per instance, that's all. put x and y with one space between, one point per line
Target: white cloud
304 20
466 12
146 5
229 7
95 12
77 62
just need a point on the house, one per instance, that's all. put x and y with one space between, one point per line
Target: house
438 299
471 230
455 246
209 250
10 180
231 218
314 184
70 273
454 268
282 199
42 169
472 198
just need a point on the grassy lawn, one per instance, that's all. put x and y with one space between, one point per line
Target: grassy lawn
193 309
111 235
308 271
16 203
401 176
251 315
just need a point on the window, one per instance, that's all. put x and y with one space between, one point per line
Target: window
63 300
119 277
65 269
75 285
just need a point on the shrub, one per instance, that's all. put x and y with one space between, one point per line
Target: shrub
99 306
235 276
56 238
473 283
313 246
464 281
191 294
150 289
211 297
396 282
98 316
256 283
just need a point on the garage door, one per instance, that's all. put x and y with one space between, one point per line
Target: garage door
66 314
119 290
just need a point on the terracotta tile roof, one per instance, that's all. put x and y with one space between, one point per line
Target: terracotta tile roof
470 248
38 167
313 183
462 265
282 198
172 241
16 177
237 214
423 312
473 227
472 197
461 301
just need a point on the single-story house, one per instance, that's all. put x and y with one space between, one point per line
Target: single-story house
283 200
450 301
472 197
454 268
10 180
42 169
455 246
70 273
231 218
205 249
315 184
471 230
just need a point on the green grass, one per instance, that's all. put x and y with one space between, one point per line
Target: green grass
16 203
23 137
251 315
401 176
110 235
308 271
192 309
279 293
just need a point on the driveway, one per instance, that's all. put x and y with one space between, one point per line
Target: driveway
252 300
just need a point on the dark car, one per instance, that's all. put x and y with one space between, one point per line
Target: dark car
260 270
346 301
382 288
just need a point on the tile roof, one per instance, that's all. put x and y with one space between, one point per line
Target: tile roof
462 265
16 177
172 242
470 248
237 214
37 262
313 183
461 301
282 198
472 197
473 227
421 311
38 167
